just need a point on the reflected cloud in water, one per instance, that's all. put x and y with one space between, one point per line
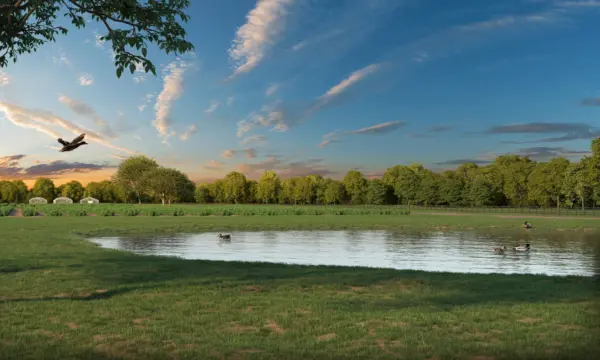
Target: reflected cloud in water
561 253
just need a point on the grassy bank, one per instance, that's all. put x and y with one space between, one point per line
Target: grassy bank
283 222
108 210
64 298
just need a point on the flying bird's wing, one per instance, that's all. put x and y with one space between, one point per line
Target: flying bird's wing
64 143
78 139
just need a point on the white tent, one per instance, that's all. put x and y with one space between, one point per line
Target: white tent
38 201
89 200
62 200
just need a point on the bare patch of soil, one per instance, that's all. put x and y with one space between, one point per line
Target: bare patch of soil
326 337
528 320
272 325
237 328
16 212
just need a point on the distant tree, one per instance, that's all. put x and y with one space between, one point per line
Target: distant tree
303 190
217 191
378 193
545 182
286 195
44 188
202 194
131 172
429 189
481 192
21 191
235 187
335 192
515 171
578 183
8 192
355 185
268 188
131 26
407 185
452 191
314 182
168 185
252 192
73 190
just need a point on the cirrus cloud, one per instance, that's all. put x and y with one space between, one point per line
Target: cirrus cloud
378 129
253 39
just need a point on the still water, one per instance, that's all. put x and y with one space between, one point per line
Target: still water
563 253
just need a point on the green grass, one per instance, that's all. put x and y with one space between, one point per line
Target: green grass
64 298
211 210
278 210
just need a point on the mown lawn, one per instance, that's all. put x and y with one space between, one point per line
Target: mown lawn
64 298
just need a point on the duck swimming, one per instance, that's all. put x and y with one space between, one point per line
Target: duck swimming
225 237
525 247
499 249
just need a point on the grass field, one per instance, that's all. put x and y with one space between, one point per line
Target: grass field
268 209
64 298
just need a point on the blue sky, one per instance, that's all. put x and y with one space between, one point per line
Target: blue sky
316 86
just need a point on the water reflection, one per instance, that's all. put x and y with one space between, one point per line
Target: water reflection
562 253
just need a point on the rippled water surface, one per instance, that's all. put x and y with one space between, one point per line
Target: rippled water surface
562 253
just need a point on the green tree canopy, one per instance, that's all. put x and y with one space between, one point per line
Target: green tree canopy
335 192
130 25
268 188
356 186
202 194
131 173
43 188
73 190
168 185
235 187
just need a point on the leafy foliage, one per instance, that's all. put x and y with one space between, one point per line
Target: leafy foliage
131 26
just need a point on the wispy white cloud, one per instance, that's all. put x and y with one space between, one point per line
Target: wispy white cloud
85 110
317 39
146 100
378 129
259 139
348 82
214 105
86 80
140 75
4 78
579 4
61 59
188 132
253 39
173 76
42 121
271 115
272 89
99 42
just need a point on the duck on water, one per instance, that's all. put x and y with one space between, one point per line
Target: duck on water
502 249
225 237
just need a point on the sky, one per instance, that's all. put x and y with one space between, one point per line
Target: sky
314 87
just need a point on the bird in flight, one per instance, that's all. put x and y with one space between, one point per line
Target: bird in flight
70 146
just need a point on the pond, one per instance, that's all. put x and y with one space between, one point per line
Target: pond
561 253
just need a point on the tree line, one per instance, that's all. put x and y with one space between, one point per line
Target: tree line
510 180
